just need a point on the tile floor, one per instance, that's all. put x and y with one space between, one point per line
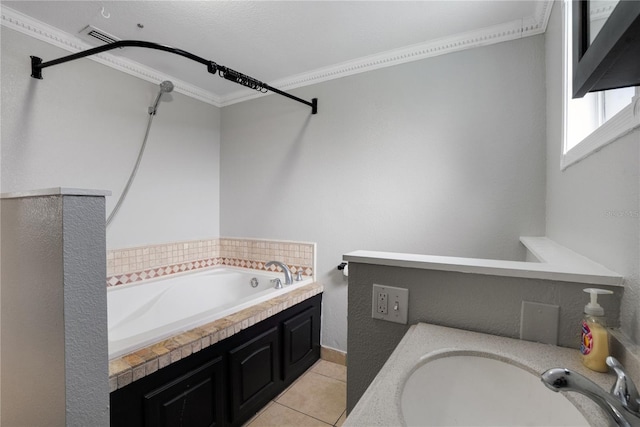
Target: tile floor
317 399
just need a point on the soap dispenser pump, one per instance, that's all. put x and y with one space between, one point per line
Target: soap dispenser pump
594 345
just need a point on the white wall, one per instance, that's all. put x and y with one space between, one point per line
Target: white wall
581 198
82 127
442 156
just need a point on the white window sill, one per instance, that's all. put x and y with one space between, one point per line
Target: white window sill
623 123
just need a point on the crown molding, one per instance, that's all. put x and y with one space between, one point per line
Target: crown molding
528 26
517 29
17 21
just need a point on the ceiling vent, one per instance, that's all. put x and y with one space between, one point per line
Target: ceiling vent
93 34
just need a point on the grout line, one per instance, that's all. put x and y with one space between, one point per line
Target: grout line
290 385
275 400
330 377
324 375
309 371
310 416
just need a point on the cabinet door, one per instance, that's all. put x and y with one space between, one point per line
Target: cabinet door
194 399
301 342
253 374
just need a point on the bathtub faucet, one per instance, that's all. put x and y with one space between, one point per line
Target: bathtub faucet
621 404
288 278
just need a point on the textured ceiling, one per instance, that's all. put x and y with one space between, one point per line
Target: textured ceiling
270 40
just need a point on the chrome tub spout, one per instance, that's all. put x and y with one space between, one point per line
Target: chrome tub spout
288 277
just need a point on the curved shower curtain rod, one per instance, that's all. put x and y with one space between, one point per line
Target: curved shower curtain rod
232 75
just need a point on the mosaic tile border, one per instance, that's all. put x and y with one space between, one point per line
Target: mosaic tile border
142 263
134 366
137 276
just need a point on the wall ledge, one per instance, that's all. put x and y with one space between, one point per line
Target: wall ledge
580 270
56 191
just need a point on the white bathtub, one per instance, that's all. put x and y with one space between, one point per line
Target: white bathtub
142 313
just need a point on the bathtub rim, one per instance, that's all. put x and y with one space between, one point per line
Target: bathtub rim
202 320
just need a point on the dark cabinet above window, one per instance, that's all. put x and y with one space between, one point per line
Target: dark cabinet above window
610 59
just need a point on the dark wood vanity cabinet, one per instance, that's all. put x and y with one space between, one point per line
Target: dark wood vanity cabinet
194 399
227 383
254 372
300 335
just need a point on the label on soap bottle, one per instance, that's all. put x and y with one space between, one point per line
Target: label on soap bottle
586 344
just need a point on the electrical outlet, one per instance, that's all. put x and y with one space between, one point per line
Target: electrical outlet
390 304
382 302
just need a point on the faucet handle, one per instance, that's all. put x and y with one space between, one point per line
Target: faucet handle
624 388
277 283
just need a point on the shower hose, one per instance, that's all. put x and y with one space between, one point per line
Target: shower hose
133 172
165 87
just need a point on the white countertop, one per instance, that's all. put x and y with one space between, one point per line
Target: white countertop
557 263
380 404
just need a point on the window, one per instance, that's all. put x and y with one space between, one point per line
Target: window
599 118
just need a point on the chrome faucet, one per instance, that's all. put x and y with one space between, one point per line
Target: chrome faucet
624 389
621 404
288 278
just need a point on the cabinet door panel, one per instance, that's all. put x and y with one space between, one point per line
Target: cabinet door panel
192 400
301 342
254 373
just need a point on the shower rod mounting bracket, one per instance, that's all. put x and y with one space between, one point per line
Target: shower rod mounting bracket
227 73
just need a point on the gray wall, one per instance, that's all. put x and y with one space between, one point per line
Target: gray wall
475 302
443 156
54 319
32 351
82 127
580 197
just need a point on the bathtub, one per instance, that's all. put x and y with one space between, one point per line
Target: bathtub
143 313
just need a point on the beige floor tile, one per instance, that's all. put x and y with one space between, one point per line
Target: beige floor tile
343 417
277 415
316 395
290 385
330 369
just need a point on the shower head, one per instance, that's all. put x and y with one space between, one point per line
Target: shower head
165 87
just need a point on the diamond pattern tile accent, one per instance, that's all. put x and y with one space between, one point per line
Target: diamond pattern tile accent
161 260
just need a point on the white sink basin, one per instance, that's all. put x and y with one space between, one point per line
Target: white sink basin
471 390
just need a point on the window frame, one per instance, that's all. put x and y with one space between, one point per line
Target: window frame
623 123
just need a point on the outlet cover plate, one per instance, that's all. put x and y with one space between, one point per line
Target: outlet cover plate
397 302
539 322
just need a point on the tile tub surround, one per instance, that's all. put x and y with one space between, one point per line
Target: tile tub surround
131 367
380 404
146 262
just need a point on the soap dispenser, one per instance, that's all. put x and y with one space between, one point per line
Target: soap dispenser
594 345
